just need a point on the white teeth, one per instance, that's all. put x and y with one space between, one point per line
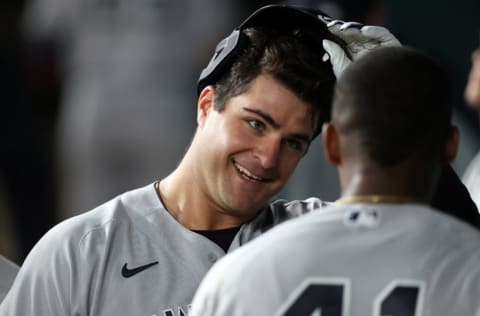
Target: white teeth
246 173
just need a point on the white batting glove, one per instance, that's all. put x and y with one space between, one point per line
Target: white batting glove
359 39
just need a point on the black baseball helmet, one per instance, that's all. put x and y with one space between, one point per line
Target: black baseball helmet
282 17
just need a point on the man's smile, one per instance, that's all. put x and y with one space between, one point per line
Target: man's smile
247 174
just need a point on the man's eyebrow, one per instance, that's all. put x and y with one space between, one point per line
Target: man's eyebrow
272 122
265 116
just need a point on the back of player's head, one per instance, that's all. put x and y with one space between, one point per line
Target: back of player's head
395 102
282 41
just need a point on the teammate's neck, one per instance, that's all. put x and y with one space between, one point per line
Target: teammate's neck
403 182
375 198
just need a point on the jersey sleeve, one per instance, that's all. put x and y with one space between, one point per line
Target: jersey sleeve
45 283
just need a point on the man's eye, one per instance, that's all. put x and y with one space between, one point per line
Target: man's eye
255 124
295 144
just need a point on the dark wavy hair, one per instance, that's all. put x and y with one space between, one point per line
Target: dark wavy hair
292 58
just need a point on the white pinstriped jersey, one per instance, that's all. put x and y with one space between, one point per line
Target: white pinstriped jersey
8 271
356 259
126 257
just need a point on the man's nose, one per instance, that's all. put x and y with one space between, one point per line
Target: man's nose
268 152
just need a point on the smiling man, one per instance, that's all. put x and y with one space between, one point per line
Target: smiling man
380 249
261 100
246 152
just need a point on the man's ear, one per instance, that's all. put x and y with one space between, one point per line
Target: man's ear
205 104
331 144
451 147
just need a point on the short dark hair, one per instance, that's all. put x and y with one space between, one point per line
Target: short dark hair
291 58
396 102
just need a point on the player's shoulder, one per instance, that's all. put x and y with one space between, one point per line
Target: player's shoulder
440 236
465 234
101 221
72 249
443 222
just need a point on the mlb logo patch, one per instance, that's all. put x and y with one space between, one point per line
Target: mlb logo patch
362 217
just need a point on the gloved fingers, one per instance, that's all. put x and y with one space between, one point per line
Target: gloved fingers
338 57
381 35
324 18
354 32
342 25
334 27
335 22
349 25
349 34
364 39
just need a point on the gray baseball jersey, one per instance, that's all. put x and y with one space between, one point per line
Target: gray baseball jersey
8 271
357 259
126 257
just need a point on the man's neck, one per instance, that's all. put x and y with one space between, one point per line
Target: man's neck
183 198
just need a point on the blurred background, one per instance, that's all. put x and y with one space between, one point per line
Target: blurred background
99 95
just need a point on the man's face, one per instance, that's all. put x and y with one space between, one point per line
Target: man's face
247 152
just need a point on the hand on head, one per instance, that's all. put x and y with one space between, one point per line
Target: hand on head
359 39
